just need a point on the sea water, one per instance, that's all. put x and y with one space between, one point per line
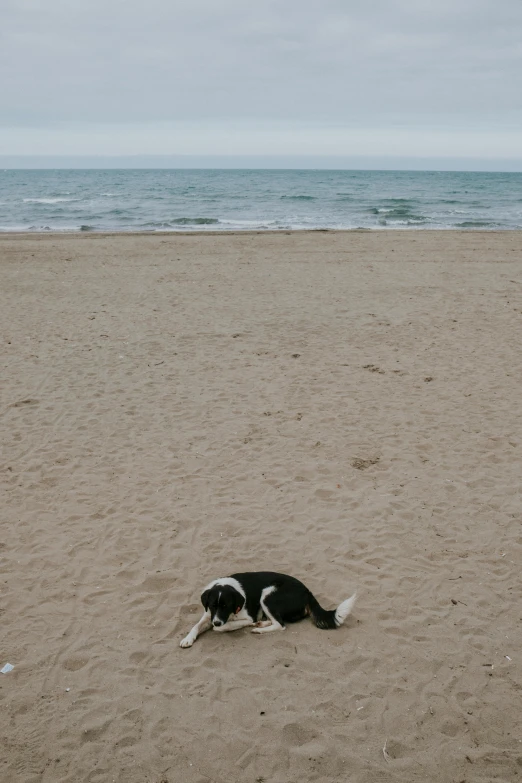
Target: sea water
240 199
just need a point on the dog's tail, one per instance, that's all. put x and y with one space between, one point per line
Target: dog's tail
333 618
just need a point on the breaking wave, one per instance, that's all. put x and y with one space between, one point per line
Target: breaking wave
194 221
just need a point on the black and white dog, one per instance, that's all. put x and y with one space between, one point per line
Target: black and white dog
264 600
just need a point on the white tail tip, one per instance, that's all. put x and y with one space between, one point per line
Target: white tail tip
344 609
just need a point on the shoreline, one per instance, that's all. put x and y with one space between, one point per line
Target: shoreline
77 234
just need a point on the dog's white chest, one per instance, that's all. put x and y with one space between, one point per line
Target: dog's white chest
242 615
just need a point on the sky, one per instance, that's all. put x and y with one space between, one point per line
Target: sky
387 78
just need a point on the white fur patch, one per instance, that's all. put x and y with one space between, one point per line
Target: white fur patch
344 609
267 591
243 615
272 624
226 580
233 625
200 627
188 641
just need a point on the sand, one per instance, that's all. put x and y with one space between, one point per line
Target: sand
345 407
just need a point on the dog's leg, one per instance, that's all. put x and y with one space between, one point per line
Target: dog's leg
269 628
233 625
203 625
273 622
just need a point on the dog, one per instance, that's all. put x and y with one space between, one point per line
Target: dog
264 600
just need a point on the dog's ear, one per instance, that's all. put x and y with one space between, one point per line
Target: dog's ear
204 599
240 601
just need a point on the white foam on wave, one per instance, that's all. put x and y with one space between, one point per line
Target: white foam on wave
38 229
246 224
47 200
14 229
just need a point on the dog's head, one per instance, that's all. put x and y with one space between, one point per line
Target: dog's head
222 601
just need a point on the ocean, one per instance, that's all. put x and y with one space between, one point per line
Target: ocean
237 199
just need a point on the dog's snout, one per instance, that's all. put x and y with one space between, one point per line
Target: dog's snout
216 623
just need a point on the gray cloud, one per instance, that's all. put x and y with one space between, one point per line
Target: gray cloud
371 63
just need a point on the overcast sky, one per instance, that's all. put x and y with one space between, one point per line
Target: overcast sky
224 77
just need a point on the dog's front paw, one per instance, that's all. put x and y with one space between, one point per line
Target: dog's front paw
188 641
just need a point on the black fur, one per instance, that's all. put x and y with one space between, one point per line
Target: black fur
292 600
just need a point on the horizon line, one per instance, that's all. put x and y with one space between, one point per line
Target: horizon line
263 162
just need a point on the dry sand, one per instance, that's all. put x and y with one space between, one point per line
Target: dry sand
346 407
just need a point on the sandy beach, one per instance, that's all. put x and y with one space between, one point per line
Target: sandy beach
345 407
